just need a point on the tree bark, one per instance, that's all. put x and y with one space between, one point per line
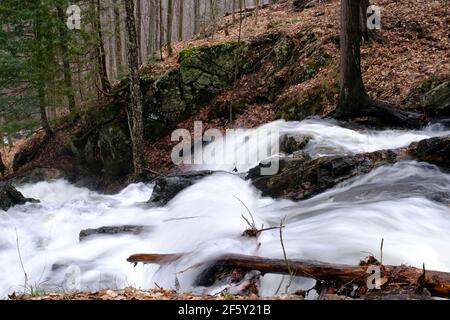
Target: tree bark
117 34
135 116
100 50
180 20
437 282
196 16
169 27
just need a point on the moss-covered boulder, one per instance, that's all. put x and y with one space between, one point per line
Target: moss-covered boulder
300 177
436 101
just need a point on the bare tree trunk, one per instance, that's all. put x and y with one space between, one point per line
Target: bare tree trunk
100 50
161 30
138 29
196 16
169 27
180 20
117 34
135 116
152 28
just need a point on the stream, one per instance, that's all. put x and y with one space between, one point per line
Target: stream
407 204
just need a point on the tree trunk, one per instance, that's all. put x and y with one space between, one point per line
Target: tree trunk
138 29
135 117
117 34
43 111
354 101
196 16
161 29
180 20
67 73
100 50
169 27
152 29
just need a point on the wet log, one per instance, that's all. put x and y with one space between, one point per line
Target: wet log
436 282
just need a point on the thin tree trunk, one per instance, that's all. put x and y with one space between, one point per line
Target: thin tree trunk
152 29
117 34
138 29
169 27
161 29
135 116
180 20
100 50
67 73
196 16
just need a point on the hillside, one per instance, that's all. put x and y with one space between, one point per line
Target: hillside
286 67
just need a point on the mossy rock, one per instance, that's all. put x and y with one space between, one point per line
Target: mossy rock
283 52
115 149
301 105
436 102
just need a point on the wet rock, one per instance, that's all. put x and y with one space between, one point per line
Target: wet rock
111 231
435 150
300 177
9 197
436 102
166 188
291 143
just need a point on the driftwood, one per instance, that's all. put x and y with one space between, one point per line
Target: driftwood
337 276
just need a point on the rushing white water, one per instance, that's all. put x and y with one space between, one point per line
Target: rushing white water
407 204
328 138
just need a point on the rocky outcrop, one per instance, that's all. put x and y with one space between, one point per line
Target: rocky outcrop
10 197
167 187
300 177
435 150
114 230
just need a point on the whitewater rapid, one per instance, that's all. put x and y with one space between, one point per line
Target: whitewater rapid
407 204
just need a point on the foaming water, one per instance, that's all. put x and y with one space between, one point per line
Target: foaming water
328 138
407 204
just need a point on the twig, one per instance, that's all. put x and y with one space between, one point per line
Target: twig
21 262
381 251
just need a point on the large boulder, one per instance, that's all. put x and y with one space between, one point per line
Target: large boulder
167 187
10 197
300 177
435 150
38 174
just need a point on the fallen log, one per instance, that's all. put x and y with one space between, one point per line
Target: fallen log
436 282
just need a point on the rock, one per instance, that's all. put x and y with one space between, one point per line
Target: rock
38 174
111 231
436 102
166 188
300 178
291 143
9 197
435 150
